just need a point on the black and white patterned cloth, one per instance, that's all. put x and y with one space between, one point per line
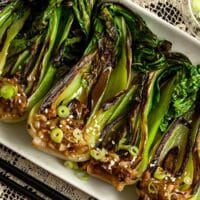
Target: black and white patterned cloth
175 12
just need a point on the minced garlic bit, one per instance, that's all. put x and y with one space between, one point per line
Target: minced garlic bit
112 163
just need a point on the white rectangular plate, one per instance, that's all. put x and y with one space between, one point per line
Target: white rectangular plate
16 137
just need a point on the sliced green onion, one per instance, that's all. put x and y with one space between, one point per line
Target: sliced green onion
63 111
133 150
172 195
78 172
98 154
152 188
77 133
160 174
121 142
71 165
81 175
56 135
8 91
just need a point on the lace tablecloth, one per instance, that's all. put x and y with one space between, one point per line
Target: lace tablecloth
173 11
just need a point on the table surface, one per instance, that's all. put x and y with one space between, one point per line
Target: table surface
173 11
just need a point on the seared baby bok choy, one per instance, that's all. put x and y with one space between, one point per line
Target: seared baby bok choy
37 56
12 18
61 122
118 134
174 170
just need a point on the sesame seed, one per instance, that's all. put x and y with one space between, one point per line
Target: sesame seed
116 159
166 178
46 110
67 126
133 160
152 165
113 142
52 127
173 180
37 124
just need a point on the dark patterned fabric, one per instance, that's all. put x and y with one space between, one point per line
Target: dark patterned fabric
175 12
